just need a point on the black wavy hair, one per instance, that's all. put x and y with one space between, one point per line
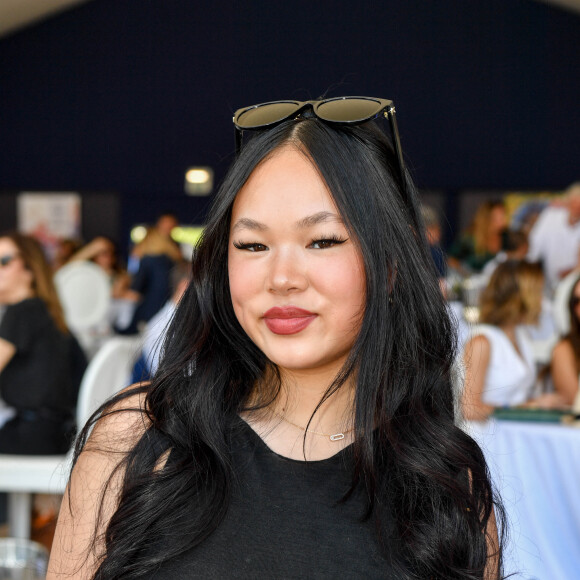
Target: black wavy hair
414 463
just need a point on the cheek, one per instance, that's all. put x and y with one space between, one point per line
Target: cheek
346 285
242 281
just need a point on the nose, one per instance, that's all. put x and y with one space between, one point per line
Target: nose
287 273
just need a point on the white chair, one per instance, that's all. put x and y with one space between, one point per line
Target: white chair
84 291
23 475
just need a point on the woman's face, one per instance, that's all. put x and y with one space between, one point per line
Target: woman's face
296 278
106 257
15 278
498 218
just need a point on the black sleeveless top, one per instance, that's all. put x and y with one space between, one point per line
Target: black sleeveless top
285 521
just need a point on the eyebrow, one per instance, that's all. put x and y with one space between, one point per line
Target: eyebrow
249 224
307 222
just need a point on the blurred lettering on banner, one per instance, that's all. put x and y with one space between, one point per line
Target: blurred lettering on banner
49 217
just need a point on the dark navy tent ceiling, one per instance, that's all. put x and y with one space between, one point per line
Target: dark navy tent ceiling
124 95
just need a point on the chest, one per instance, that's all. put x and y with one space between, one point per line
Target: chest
285 521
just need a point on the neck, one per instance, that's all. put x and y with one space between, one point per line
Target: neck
301 395
297 425
16 296
510 331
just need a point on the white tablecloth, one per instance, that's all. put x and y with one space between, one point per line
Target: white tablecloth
536 468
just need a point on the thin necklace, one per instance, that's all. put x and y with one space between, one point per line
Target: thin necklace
333 437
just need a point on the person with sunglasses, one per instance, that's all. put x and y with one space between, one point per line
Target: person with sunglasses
301 421
41 363
565 364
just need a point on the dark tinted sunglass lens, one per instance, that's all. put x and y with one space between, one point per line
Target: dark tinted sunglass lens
348 110
265 114
5 260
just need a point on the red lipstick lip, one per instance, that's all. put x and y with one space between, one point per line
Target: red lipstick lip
287 312
287 320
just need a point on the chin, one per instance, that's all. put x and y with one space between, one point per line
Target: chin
300 363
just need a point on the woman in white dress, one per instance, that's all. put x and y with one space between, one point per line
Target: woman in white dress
500 370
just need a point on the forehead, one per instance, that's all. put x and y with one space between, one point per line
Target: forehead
7 246
285 186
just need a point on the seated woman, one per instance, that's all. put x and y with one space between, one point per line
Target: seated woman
41 363
301 421
500 370
103 252
566 355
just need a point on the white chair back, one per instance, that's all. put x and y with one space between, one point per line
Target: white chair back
108 372
85 293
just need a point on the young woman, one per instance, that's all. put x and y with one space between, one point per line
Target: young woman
301 422
41 363
499 362
566 355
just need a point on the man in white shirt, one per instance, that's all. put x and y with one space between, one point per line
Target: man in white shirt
555 237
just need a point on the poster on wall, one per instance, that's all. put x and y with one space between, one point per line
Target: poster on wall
49 217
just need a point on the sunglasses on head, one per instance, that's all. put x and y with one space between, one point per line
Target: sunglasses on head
336 111
5 260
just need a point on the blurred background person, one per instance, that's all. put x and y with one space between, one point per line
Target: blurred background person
63 252
164 225
103 252
482 240
500 370
150 287
514 246
565 365
555 237
433 235
154 333
41 363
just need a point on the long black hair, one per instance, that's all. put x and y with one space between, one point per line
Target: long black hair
415 465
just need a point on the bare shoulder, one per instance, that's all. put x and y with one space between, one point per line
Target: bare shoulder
563 350
93 491
122 423
479 345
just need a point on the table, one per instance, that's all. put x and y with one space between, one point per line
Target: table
536 469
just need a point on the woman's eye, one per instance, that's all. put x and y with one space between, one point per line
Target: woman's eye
325 243
250 247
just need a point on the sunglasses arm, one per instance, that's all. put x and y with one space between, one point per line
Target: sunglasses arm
238 135
398 150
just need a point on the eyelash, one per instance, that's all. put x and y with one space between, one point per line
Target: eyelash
332 240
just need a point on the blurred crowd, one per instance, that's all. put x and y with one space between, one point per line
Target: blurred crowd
513 288
45 347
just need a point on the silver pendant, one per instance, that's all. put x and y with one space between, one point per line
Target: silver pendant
337 437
